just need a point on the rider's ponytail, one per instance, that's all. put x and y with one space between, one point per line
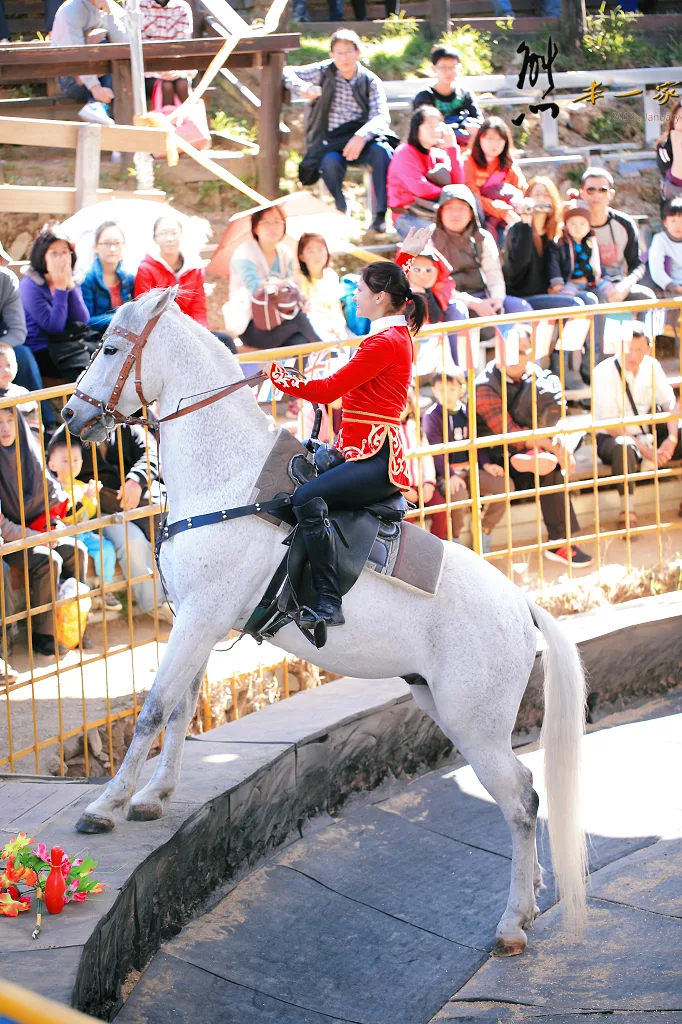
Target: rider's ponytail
389 278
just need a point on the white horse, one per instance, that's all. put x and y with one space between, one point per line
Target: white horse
474 643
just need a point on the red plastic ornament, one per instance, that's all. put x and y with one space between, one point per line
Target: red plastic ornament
55 887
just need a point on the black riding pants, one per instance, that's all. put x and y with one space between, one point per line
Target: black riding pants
351 485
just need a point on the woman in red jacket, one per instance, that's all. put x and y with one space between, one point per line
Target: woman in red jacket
420 168
373 387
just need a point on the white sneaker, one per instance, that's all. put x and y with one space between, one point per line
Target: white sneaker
96 112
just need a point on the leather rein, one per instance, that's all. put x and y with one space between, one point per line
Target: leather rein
110 417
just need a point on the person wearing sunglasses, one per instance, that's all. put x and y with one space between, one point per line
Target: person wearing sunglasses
617 238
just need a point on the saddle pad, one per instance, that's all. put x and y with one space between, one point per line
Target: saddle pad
419 562
274 477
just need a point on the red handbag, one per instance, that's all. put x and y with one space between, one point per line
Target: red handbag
273 303
193 127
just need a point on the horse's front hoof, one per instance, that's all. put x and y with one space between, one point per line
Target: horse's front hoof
511 946
95 823
150 810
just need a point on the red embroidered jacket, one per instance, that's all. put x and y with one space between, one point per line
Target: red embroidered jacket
373 387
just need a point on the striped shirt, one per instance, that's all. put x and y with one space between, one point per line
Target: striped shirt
344 106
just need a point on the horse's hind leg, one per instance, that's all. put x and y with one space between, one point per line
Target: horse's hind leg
148 803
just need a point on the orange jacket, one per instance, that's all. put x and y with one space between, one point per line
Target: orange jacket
475 177
373 387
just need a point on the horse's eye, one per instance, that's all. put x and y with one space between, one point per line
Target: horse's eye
110 350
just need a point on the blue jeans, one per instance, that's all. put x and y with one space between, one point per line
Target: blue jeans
28 376
91 542
404 221
375 154
74 90
458 311
141 561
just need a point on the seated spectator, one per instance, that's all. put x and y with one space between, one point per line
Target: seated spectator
347 123
169 21
165 265
490 475
473 255
665 254
669 156
547 454
13 333
429 275
320 287
140 464
107 286
575 271
7 673
420 168
549 9
457 106
62 558
82 505
421 472
646 387
56 316
617 239
78 22
493 175
265 258
8 389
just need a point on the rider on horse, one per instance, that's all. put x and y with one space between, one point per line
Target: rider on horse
373 387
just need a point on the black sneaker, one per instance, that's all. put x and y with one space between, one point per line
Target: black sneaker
46 645
578 558
378 225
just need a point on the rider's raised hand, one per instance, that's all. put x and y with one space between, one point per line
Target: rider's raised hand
416 240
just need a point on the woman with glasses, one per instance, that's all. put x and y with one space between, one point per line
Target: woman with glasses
107 286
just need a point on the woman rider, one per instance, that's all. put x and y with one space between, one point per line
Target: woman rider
373 387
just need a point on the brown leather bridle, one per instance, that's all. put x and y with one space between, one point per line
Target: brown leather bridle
109 417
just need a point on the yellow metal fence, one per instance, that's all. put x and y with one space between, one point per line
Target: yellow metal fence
91 679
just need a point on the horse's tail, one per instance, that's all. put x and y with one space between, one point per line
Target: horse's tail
561 738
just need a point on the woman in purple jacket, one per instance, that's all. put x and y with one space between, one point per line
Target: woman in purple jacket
56 315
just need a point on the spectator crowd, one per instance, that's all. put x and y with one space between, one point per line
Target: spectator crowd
500 244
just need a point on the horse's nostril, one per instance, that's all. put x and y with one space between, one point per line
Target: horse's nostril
67 414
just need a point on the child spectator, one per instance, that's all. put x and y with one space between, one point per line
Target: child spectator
82 505
56 316
493 175
171 20
669 156
457 106
429 275
575 271
576 267
665 254
74 24
319 285
421 472
420 168
490 476
107 286
24 513
8 389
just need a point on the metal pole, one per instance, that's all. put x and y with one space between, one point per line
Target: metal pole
144 163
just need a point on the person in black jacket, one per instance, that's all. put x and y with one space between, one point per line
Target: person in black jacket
457 106
140 459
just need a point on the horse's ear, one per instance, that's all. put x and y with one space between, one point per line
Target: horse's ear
164 301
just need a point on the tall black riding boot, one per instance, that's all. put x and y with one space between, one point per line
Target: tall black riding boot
320 542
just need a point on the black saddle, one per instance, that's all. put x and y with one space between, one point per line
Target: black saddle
368 535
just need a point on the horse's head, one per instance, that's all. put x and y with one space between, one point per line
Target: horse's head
118 380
